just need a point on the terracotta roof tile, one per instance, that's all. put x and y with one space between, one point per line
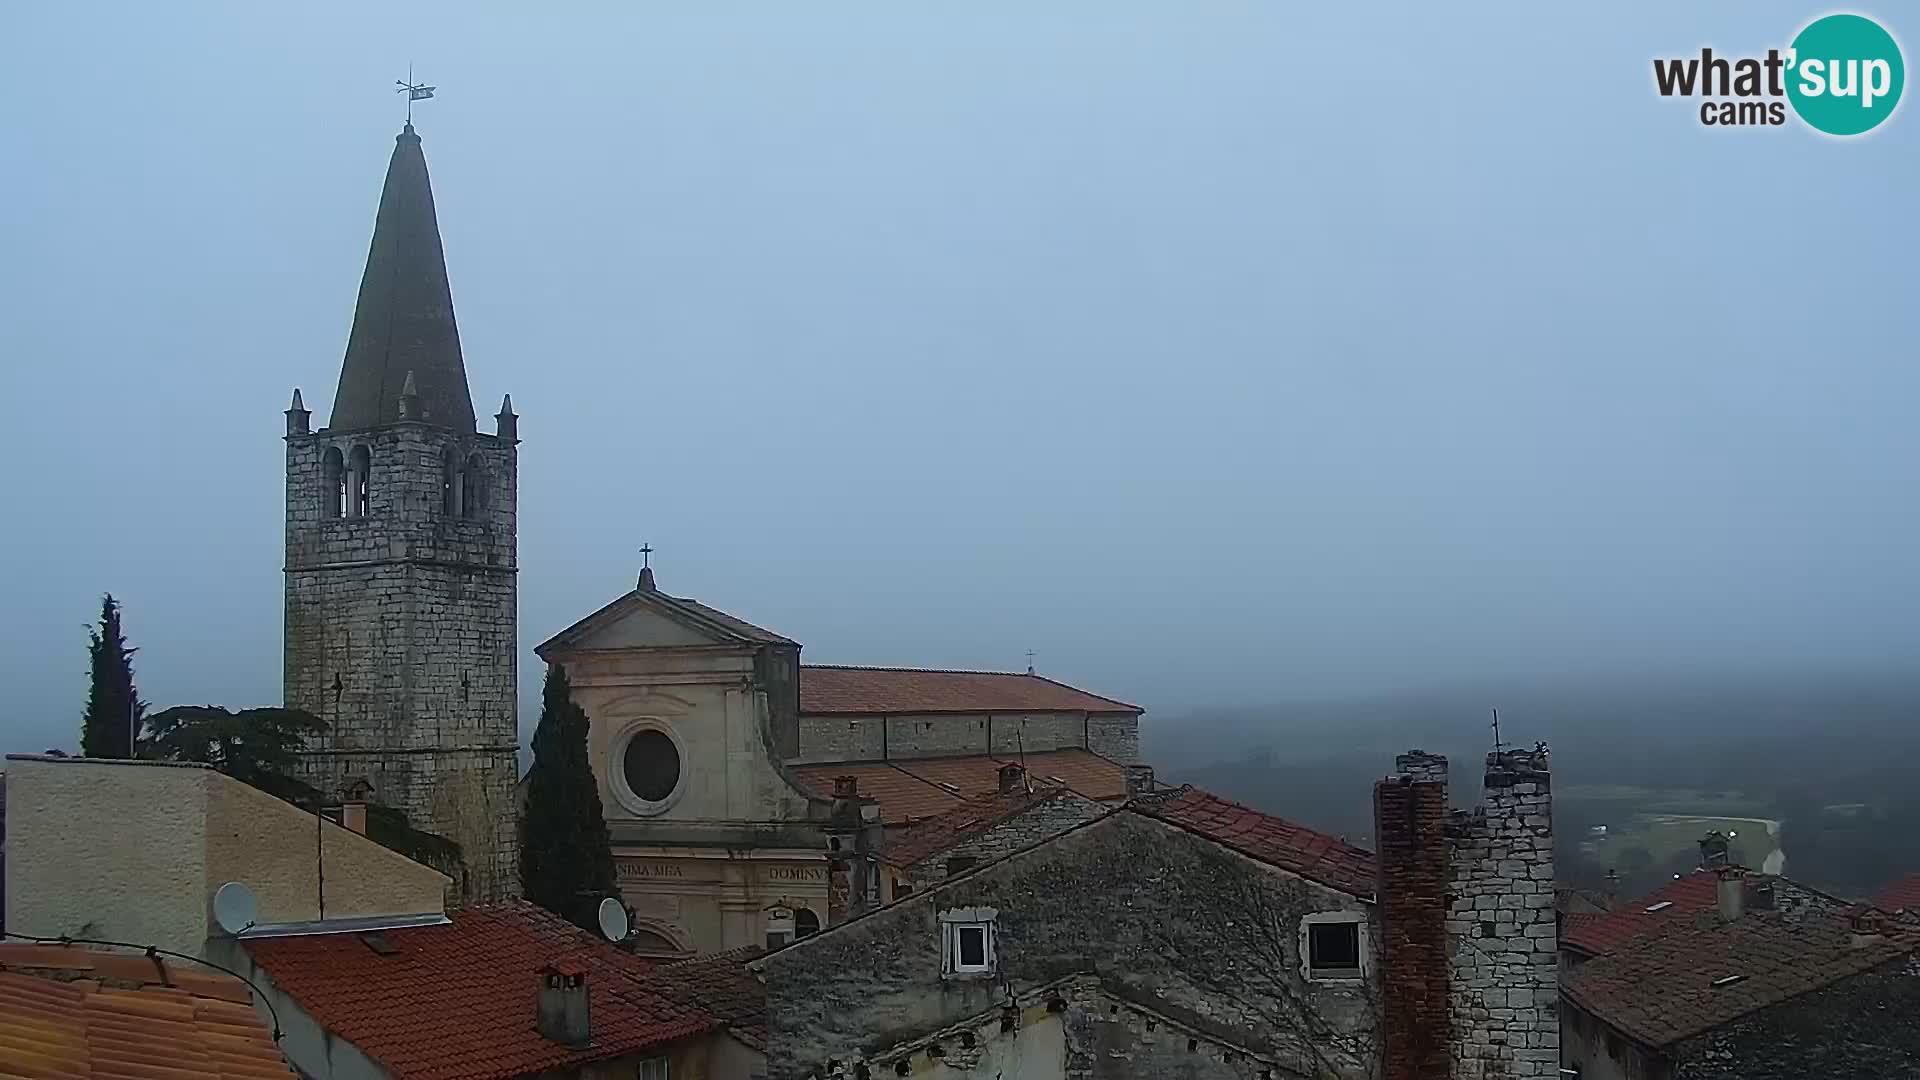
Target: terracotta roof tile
1691 974
1276 841
66 1011
898 691
723 985
1901 895
910 789
1681 898
458 1000
967 818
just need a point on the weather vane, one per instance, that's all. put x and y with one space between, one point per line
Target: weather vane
414 91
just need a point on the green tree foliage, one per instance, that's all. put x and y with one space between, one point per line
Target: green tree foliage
566 857
114 710
255 746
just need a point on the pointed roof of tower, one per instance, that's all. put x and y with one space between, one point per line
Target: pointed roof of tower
403 321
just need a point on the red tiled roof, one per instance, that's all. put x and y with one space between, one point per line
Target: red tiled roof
1631 919
897 691
72 1012
458 1000
1662 988
1275 841
909 789
1901 895
722 984
975 815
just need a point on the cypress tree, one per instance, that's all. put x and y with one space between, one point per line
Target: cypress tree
566 857
114 710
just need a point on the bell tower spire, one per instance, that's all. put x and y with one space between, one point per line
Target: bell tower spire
403 321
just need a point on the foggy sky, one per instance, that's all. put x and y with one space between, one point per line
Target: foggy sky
1215 352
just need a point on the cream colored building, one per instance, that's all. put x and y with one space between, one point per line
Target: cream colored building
694 714
718 755
133 851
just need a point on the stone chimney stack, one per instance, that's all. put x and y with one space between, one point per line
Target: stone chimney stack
1013 777
564 1013
854 837
1410 831
1732 892
1714 850
1139 780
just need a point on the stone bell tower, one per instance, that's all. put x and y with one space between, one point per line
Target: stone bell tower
400 568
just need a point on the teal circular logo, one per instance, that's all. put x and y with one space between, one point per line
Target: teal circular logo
1846 74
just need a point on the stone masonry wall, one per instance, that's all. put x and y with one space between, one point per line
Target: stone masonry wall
1161 918
873 738
1050 817
1504 984
401 634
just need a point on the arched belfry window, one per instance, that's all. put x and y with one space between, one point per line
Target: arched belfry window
359 485
333 481
450 483
473 487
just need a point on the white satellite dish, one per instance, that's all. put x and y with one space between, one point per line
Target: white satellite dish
234 908
613 919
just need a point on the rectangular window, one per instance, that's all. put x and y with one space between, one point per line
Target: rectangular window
654 1069
968 947
1333 948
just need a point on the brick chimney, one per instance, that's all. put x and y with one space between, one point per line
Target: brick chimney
353 816
1013 777
563 1012
1410 830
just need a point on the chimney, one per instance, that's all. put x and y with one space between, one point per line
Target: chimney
564 1015
1410 830
1867 926
353 816
1713 850
854 838
1012 778
1139 780
1733 892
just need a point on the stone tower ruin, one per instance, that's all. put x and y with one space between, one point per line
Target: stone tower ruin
400 566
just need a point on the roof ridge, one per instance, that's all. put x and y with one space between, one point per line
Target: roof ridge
933 671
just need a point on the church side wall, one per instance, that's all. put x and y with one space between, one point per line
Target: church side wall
874 738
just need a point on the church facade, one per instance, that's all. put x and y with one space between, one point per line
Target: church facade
749 796
401 599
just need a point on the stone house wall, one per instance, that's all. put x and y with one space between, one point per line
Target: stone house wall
1050 817
400 633
875 738
1153 915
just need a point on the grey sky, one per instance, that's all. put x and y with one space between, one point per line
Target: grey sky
1215 352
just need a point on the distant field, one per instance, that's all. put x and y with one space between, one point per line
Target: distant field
1664 800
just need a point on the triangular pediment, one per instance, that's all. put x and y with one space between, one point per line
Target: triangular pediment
647 619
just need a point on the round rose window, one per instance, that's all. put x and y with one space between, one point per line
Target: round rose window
652 765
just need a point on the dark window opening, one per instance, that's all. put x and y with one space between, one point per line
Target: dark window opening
1333 946
652 765
973 946
958 863
805 922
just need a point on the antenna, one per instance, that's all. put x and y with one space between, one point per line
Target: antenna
234 908
1496 731
613 920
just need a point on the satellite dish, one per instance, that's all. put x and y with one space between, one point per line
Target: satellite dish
613 919
234 908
